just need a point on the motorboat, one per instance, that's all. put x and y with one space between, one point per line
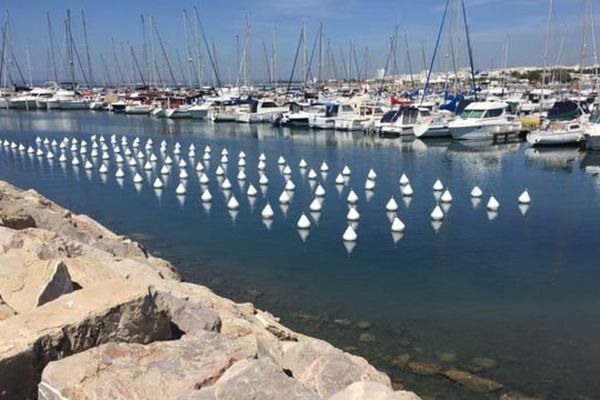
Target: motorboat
33 99
224 110
200 111
483 121
298 115
436 127
564 126
333 111
259 110
178 112
138 108
402 121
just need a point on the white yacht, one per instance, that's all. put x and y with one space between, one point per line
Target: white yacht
482 121
537 99
200 111
402 121
592 132
564 126
223 110
333 111
178 112
436 127
66 99
33 99
138 108
259 110
299 114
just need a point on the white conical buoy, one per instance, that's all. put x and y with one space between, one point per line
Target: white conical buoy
261 165
204 179
493 204
324 167
183 174
199 167
206 196
137 178
312 174
251 191
242 155
103 169
281 160
315 205
446 197
88 165
219 171
352 197
119 173
132 162
320 191
404 180
284 197
303 222
290 186
206 156
262 157
224 159
224 152
263 180
339 180
391 205
182 163
267 212
157 184
75 161
353 214
476 192
407 190
349 235
437 214
168 160
242 162
50 155
370 184
241 175
346 171
226 185
524 198
233 204
180 189
303 164
398 225
207 149
62 157
148 166
438 186
165 170
153 157
372 175
287 170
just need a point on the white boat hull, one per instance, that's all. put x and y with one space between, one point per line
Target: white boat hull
554 139
431 130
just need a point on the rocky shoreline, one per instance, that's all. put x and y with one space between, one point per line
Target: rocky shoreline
88 314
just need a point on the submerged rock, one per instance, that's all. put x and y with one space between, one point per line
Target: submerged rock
517 396
401 360
479 364
472 382
370 391
446 356
367 337
423 368
364 325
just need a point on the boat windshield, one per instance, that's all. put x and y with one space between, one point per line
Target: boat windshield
473 114
595 118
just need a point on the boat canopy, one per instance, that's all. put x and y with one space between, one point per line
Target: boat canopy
566 110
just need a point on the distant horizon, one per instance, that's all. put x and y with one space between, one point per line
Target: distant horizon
508 33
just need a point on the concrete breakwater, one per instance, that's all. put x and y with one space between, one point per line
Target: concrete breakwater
88 314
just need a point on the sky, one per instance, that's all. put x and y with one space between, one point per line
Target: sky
367 23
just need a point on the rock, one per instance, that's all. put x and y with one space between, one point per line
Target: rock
190 316
480 364
401 360
517 396
473 382
372 391
6 311
17 220
112 311
367 338
423 368
342 321
258 379
364 325
58 284
446 356
161 370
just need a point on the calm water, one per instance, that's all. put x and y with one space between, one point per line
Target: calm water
520 289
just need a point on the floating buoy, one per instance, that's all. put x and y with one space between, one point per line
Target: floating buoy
168 160
398 225
148 166
262 157
339 180
219 171
88 165
157 184
119 173
241 175
204 179
30 150
207 149
38 140
241 155
233 204
438 186
153 157
191 154
372 175
127 151
180 189
404 180
302 164
242 162
493 204
199 167
226 185
224 159
370 184
391 204
21 147
346 171
290 186
267 212
182 163
94 153
524 198
252 192
136 179
176 150
140 155
281 160
165 170
261 165
62 157
287 170
352 197
183 174
75 161
353 214
132 162
105 156
446 197
315 205
303 222
312 174
206 156
320 191
284 197
437 214
50 155
476 192
407 190
349 235
206 196
224 152
103 169
39 153
116 150
263 180
324 167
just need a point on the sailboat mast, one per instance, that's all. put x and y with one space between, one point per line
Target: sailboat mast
200 61
546 46
29 65
70 49
145 49
190 60
51 45
87 49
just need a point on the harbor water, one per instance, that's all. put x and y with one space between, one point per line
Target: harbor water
519 287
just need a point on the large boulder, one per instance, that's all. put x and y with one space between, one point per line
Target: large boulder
6 311
259 379
372 391
57 284
190 316
112 311
162 370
